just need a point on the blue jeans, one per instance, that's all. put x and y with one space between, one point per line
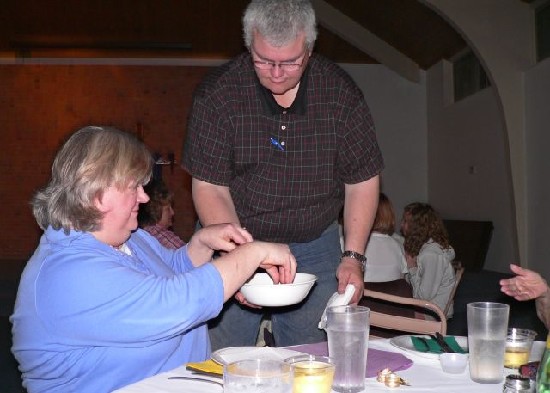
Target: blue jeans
238 325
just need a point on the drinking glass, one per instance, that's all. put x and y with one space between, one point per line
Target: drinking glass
257 376
348 341
312 373
518 347
487 330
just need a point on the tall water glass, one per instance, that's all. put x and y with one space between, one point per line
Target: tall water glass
487 330
348 340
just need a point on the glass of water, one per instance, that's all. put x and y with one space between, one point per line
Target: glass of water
348 340
487 331
257 376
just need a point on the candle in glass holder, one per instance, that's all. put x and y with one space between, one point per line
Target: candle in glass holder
312 374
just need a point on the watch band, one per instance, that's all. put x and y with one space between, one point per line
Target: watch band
360 258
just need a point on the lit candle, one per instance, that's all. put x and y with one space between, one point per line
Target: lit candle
312 376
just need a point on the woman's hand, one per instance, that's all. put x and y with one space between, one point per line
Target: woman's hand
279 263
525 286
275 265
218 237
239 265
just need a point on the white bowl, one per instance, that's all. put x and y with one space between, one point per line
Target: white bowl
261 291
453 363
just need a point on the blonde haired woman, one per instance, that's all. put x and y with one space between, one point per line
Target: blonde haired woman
101 304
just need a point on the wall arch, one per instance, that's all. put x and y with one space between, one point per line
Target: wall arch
500 32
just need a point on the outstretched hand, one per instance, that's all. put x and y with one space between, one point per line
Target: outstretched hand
526 285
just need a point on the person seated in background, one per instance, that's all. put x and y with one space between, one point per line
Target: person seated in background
100 304
428 254
156 215
528 285
385 255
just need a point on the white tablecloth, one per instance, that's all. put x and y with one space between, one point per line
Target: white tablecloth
424 376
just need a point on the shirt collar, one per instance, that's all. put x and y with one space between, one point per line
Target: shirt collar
299 105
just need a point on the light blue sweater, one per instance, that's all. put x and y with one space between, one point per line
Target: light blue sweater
89 318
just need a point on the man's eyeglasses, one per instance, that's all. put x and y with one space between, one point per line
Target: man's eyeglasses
268 65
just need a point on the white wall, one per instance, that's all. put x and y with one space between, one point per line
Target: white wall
399 111
434 166
537 93
469 172
501 33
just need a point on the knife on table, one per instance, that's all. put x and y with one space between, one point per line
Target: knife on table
441 341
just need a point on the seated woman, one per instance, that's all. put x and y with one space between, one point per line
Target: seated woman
156 215
101 304
428 254
385 256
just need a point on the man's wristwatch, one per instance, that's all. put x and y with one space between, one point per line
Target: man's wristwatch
360 258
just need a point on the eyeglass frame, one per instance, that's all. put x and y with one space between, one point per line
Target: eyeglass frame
282 65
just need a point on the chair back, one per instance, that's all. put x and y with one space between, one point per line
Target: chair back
459 271
403 323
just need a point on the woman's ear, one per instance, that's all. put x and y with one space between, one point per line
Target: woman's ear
101 203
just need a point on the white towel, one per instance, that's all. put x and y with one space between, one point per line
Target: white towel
337 299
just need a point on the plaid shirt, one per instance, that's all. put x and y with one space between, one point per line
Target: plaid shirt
293 191
165 237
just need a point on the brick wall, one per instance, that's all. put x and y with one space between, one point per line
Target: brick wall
41 104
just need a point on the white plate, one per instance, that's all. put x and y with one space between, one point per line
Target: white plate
232 354
405 343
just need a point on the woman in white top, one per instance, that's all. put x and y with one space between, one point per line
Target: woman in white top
428 254
385 255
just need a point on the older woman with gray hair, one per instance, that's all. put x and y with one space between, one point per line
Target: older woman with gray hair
101 304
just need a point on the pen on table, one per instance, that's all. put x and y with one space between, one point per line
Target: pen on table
276 143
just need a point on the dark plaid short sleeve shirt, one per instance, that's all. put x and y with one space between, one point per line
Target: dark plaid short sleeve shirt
285 168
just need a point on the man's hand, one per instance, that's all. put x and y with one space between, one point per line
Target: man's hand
349 272
242 300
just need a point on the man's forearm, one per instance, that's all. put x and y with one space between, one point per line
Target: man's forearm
359 212
213 204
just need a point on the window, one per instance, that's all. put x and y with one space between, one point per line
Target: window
468 75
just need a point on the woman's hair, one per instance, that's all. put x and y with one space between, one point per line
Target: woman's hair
90 161
424 223
279 21
384 222
150 213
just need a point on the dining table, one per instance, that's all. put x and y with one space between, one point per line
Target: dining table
421 371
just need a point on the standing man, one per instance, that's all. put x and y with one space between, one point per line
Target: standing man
279 140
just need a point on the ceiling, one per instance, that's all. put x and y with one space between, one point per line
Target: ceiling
212 29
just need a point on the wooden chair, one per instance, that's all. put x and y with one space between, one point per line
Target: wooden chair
407 324
459 271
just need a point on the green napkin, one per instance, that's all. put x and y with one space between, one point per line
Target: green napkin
430 345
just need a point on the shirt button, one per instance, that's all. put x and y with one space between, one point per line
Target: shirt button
283 127
284 112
